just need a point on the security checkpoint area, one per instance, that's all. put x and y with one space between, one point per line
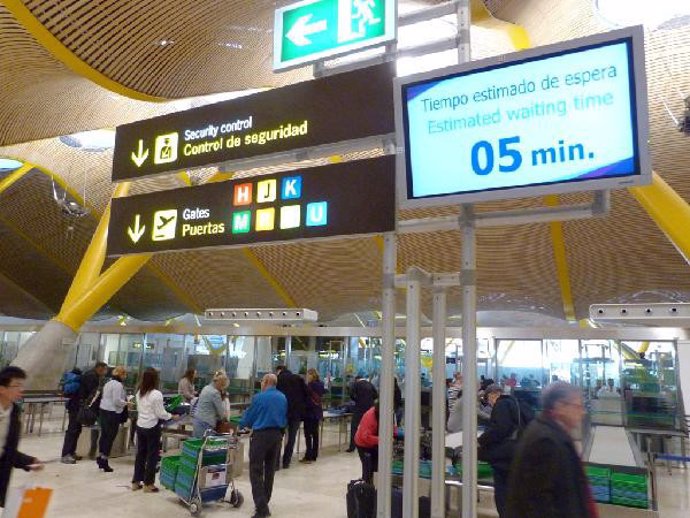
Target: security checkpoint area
406 221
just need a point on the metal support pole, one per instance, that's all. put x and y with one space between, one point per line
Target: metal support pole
468 280
438 405
412 397
386 403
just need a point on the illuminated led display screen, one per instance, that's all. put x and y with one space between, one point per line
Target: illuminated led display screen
563 118
334 200
347 106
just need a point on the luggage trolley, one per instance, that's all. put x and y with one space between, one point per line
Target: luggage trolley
204 472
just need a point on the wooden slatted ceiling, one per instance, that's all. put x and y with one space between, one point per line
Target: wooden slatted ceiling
219 278
168 49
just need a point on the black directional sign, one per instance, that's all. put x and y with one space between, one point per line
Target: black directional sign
347 106
334 200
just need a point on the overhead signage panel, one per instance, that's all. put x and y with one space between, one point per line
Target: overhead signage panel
348 106
563 118
334 200
312 30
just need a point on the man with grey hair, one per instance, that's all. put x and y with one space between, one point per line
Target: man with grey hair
267 417
547 479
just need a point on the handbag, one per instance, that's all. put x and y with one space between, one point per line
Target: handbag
124 415
87 415
223 427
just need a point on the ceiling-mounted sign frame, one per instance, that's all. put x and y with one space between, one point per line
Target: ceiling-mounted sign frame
344 107
562 118
350 198
313 30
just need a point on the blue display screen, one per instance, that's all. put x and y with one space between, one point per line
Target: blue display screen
563 117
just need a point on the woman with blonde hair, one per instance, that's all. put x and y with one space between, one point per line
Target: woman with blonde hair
209 410
313 415
112 414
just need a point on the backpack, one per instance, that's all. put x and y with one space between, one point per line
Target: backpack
71 381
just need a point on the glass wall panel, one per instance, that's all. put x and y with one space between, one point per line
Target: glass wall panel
649 384
520 364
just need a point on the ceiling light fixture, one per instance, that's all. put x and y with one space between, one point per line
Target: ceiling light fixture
95 141
9 164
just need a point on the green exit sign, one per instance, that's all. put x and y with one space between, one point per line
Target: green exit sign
311 30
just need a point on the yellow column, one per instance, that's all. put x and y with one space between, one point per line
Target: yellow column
669 211
14 177
119 273
92 262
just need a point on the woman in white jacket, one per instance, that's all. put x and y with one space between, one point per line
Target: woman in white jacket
150 412
111 415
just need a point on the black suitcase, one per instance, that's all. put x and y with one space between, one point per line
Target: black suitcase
396 504
361 499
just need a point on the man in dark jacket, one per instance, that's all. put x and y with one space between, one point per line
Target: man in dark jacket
69 445
498 443
91 385
547 478
295 390
11 386
363 393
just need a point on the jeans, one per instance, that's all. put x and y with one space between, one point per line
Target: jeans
500 490
200 427
264 448
69 446
293 428
110 424
148 447
311 437
369 457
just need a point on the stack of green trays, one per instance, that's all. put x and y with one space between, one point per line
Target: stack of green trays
599 480
629 490
168 474
215 451
483 470
185 480
397 468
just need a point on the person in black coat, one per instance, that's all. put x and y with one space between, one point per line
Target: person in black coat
498 443
364 394
295 390
91 382
11 386
547 479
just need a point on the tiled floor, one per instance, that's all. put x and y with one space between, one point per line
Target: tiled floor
82 491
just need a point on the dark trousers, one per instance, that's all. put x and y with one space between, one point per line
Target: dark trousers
264 448
370 462
69 446
148 447
110 424
293 428
311 437
500 490
356 418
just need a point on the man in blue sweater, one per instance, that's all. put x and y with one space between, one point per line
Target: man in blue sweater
267 417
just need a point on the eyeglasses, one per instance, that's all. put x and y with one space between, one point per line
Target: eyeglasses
20 385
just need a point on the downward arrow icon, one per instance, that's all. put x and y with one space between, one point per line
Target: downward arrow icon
141 156
302 28
138 231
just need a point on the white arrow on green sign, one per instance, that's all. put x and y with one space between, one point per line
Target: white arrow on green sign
311 30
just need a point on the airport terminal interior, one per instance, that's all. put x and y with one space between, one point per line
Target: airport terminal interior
240 185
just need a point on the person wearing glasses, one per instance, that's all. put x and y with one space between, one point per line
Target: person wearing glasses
11 386
209 409
547 478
